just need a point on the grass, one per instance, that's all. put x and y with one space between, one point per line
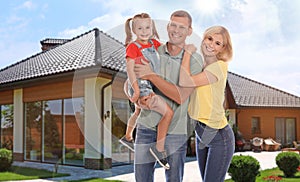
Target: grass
96 180
274 172
25 173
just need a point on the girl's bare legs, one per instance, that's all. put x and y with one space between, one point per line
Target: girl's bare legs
127 140
162 128
132 123
158 104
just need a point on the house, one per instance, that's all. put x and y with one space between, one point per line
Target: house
263 111
60 103
66 104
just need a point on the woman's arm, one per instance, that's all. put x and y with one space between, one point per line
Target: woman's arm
186 79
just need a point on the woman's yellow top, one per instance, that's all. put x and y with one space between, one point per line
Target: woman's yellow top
206 102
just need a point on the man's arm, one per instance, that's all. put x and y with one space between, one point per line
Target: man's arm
172 91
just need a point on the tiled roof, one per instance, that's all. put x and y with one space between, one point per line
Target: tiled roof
250 93
87 50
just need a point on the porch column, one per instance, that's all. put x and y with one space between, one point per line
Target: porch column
96 141
18 149
107 122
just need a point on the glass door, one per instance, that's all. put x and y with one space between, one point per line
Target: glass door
52 131
285 130
73 131
33 122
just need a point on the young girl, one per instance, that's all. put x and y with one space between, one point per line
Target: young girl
140 91
215 139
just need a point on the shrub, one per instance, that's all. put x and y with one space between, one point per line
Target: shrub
288 162
5 159
48 155
79 156
69 155
243 168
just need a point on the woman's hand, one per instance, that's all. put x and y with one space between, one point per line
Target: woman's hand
190 48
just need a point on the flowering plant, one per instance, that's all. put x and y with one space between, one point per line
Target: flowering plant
272 178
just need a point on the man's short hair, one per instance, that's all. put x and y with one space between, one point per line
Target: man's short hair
182 13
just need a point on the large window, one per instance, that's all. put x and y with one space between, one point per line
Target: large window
6 127
33 123
54 131
73 131
285 130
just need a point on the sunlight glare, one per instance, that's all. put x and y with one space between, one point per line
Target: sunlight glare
208 6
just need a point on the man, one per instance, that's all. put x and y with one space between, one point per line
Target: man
171 54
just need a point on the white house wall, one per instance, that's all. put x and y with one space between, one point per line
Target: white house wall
18 121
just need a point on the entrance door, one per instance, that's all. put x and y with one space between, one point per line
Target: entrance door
285 130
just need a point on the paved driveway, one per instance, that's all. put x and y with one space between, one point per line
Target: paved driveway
192 174
125 173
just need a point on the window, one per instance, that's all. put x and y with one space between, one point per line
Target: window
6 127
73 131
255 125
33 123
285 130
54 131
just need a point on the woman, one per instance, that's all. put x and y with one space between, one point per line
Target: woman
215 138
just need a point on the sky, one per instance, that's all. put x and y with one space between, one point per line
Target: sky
265 33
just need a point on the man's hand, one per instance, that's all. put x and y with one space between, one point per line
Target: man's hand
143 71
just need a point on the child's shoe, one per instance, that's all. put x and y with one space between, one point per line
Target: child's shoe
128 144
161 157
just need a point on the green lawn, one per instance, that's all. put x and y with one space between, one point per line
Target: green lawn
25 173
96 180
274 172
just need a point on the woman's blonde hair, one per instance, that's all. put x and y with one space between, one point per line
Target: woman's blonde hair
227 52
128 30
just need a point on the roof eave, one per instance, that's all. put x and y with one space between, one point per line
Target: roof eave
95 70
269 107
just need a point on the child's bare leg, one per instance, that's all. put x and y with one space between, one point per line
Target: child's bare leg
162 128
132 123
158 104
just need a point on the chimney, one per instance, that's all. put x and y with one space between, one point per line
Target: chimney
49 43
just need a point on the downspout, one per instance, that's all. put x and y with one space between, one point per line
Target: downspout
103 118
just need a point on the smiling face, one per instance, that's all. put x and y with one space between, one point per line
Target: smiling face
142 28
212 45
178 29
